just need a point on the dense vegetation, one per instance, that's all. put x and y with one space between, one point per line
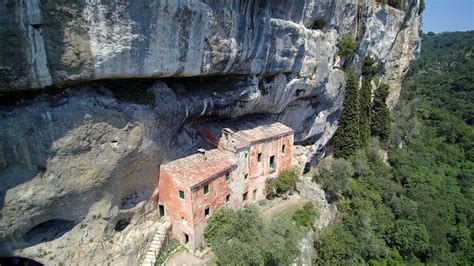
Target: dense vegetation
360 114
243 238
346 138
420 208
283 183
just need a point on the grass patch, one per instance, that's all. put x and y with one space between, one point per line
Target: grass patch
166 252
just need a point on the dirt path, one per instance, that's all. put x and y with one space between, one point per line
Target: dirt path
280 206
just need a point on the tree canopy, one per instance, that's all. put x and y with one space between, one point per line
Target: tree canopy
418 209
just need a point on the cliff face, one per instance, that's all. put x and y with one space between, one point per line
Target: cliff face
126 81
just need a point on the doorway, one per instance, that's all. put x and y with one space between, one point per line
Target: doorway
186 238
162 210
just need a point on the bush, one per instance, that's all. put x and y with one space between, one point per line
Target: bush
166 252
306 215
335 176
410 238
244 239
347 45
284 182
218 224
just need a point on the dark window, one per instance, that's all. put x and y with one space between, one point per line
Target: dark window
259 157
244 196
181 194
254 195
227 198
186 238
283 148
206 189
162 210
246 175
207 212
246 154
272 162
227 177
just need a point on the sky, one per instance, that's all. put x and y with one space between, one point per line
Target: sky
448 15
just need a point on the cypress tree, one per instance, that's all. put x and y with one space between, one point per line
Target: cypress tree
381 114
346 138
365 101
365 111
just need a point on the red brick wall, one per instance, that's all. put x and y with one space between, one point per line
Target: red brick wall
271 148
219 188
175 207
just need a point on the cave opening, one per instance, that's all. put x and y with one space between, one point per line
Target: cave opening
48 231
122 224
210 84
19 261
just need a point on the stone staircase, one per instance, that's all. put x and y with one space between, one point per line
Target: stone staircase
158 242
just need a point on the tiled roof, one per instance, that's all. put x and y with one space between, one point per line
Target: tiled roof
250 131
198 167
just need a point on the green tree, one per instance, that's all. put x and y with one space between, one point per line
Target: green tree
284 182
334 176
281 242
242 238
337 246
410 238
369 68
365 100
219 224
381 114
306 215
365 112
346 138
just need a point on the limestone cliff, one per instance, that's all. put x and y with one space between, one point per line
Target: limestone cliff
95 95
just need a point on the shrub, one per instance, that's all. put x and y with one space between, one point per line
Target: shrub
334 176
306 215
284 182
347 45
244 239
166 252
410 238
218 224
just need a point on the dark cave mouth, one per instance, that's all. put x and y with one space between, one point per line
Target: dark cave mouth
122 224
19 261
136 90
48 230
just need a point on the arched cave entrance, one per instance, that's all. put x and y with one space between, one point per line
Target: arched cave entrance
122 224
48 231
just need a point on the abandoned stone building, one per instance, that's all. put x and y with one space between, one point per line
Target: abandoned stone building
231 173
